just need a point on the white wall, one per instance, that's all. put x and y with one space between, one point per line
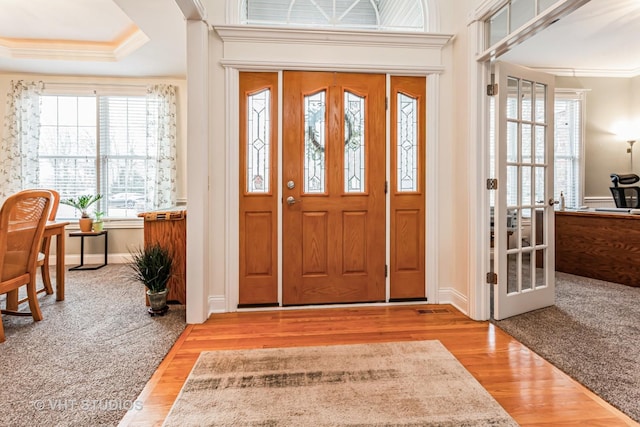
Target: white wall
453 211
608 101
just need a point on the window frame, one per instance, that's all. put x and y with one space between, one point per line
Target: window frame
97 91
579 96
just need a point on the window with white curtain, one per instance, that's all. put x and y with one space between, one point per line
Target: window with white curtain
98 144
568 148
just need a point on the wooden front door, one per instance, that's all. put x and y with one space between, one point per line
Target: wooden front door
333 194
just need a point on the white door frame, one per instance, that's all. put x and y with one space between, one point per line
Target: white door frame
240 40
479 71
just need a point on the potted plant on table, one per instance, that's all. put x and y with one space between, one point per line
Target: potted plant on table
98 224
152 266
82 203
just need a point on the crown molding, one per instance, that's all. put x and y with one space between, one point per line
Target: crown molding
73 50
586 72
264 34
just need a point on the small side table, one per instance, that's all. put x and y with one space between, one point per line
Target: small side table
82 235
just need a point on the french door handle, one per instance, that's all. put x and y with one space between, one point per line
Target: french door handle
553 202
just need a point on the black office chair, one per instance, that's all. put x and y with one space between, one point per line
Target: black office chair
625 197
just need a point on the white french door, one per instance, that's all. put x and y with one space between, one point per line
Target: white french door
523 213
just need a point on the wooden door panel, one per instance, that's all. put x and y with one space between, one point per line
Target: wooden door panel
334 237
315 245
407 240
354 242
258 272
408 142
258 254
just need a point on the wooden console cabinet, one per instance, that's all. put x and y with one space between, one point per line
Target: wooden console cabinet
168 227
600 245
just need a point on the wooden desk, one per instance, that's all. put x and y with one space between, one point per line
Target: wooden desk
600 245
53 228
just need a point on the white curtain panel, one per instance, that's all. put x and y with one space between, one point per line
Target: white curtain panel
19 166
161 127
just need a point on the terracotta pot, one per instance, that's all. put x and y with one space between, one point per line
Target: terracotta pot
85 224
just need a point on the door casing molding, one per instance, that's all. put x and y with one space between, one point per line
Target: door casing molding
240 55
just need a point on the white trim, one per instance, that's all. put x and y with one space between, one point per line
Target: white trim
585 72
192 9
74 259
527 30
252 65
478 165
198 172
455 298
292 35
232 196
217 304
432 219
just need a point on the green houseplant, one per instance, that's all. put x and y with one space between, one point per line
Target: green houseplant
82 203
152 267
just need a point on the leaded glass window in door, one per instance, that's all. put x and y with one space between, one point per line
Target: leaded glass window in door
315 143
258 143
354 143
407 146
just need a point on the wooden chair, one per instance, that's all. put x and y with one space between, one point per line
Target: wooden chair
23 217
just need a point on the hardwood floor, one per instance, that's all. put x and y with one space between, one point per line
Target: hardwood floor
533 391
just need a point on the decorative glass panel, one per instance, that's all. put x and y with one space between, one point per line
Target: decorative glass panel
407 140
527 100
521 12
526 186
540 144
354 139
258 143
314 143
513 96
512 178
539 185
526 143
512 142
498 26
541 99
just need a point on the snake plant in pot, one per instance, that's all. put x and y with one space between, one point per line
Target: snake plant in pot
152 266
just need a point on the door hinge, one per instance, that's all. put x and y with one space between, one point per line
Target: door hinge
492 89
386 187
492 184
492 278
386 270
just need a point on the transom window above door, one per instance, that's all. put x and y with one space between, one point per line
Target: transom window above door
384 15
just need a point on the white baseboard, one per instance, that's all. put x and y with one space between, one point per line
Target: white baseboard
217 304
74 259
455 298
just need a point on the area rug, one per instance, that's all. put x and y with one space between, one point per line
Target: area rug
389 384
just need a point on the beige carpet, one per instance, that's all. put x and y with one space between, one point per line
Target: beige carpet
391 384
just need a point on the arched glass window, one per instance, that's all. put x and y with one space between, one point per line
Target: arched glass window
384 15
